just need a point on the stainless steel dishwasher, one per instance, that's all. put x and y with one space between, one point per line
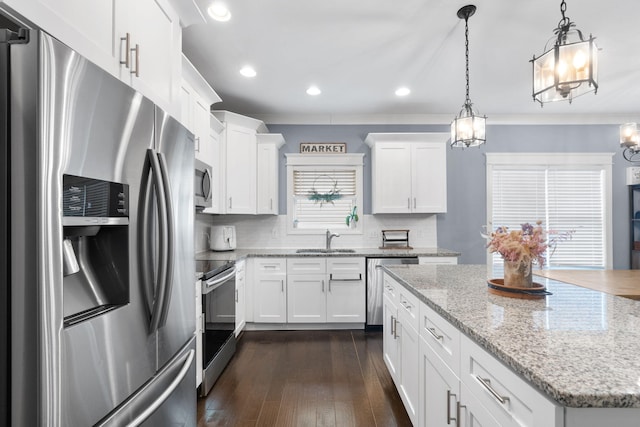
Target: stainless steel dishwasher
374 287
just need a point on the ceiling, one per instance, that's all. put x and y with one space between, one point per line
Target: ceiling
358 52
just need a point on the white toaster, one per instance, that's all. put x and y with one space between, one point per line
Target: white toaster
222 237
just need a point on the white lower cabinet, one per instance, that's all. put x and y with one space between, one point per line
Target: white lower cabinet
511 400
270 290
306 298
452 380
241 311
199 332
326 290
401 344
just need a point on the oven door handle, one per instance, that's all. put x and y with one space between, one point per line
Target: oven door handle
217 281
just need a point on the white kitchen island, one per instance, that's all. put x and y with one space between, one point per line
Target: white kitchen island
570 359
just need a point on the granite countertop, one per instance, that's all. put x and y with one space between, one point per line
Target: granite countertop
579 346
359 252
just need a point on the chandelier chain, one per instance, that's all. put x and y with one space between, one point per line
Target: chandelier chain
466 55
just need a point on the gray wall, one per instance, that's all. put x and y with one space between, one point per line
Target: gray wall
459 228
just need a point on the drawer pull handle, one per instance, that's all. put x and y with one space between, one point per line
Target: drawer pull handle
487 384
458 407
433 333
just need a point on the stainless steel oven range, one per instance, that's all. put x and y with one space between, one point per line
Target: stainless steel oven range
219 312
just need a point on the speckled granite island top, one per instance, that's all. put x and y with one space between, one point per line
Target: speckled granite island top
581 347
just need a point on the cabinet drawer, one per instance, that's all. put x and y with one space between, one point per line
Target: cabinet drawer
442 337
350 268
270 265
408 308
391 288
510 399
307 265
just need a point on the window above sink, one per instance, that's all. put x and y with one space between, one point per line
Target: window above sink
324 192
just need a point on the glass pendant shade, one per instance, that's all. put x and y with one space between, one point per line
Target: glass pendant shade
468 129
629 136
569 68
565 71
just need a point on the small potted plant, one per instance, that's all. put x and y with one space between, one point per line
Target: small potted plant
352 218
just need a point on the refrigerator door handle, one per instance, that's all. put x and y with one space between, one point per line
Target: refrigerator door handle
169 230
135 410
160 294
144 251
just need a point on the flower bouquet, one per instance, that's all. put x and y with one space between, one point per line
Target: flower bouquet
521 248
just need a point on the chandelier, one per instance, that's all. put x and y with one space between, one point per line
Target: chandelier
568 69
630 140
468 128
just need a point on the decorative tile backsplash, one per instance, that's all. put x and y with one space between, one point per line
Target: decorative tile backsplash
263 231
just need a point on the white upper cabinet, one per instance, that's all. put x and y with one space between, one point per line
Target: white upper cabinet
97 29
267 172
154 36
239 158
196 98
409 172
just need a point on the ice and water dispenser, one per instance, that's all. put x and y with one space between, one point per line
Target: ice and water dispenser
95 247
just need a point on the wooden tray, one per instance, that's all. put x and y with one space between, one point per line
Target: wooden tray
497 287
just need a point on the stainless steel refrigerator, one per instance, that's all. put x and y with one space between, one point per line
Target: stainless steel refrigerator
97 314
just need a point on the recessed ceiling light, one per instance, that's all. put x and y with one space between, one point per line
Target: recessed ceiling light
403 91
219 11
248 71
313 91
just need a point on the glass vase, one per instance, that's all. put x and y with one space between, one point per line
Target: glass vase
517 274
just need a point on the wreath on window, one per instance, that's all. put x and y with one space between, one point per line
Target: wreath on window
324 190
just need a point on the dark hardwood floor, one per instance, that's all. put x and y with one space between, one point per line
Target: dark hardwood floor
305 378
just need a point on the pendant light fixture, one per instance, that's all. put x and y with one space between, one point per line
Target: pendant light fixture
468 128
630 140
569 68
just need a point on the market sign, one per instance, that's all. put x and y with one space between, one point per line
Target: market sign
323 147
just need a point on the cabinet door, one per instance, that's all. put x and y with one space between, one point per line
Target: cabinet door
428 177
346 296
408 368
346 301
472 413
270 300
392 178
267 179
439 390
85 26
155 28
216 181
306 298
240 298
240 170
199 332
390 343
203 143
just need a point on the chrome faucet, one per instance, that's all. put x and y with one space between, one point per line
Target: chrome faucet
330 236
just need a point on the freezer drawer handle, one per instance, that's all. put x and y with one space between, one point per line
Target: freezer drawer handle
165 395
128 409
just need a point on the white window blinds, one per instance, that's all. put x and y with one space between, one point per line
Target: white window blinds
564 199
323 198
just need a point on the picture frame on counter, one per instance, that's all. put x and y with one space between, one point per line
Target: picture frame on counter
323 147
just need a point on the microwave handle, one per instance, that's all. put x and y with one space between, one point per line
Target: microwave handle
206 185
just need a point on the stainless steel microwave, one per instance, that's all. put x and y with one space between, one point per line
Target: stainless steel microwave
203 185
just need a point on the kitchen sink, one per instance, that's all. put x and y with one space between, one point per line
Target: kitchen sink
325 251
